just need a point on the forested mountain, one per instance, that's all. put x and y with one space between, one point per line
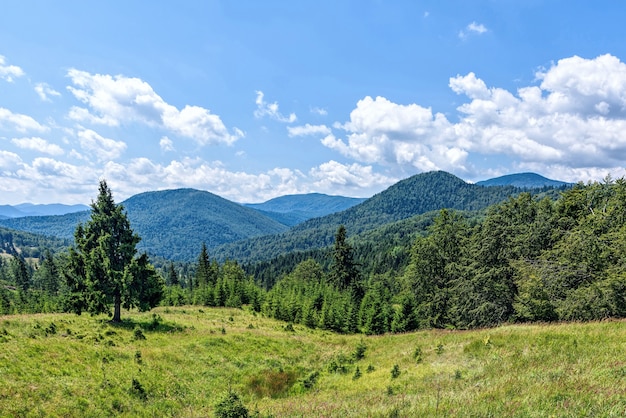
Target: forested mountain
27 244
60 226
413 196
294 209
29 209
173 224
523 180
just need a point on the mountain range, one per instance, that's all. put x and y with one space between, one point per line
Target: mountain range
173 224
29 209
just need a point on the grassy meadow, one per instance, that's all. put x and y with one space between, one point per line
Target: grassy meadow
180 361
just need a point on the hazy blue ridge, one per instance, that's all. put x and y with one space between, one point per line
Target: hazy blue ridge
523 180
294 209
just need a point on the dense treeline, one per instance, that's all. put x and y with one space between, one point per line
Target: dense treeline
528 260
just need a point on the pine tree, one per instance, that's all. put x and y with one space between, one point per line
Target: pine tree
172 276
21 275
102 269
344 273
204 267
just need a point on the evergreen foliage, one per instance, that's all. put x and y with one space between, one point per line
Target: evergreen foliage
102 268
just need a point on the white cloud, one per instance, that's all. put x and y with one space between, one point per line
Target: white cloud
44 91
141 174
113 100
319 111
166 144
577 114
308 129
9 72
390 134
103 148
571 124
477 28
271 110
21 123
336 178
38 144
9 162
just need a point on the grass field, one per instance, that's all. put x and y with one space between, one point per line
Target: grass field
180 361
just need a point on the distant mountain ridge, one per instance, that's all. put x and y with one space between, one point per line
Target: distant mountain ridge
30 209
523 180
172 223
415 195
294 209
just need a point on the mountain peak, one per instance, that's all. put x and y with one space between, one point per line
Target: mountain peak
523 180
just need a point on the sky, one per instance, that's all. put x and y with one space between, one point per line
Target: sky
251 100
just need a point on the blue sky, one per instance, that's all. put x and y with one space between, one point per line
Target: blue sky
255 99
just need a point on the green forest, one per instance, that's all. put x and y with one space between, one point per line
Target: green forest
532 257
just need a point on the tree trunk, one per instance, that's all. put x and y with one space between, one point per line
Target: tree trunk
117 309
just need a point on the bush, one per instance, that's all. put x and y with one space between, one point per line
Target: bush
230 406
395 371
359 351
138 334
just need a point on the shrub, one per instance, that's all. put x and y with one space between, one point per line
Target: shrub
138 390
417 354
395 371
138 334
359 351
230 406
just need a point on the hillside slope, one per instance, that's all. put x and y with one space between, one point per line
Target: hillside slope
413 196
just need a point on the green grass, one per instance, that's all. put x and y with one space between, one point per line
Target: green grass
68 365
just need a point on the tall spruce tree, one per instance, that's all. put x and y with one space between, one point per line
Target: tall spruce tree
343 272
102 269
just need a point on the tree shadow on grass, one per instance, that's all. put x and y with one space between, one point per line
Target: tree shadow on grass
155 324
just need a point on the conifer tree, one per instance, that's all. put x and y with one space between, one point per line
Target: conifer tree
344 273
21 275
102 269
173 276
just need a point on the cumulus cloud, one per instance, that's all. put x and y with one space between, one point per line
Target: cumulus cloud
44 91
113 100
476 28
102 148
9 162
308 129
38 144
334 177
380 131
571 124
9 72
577 114
270 110
166 144
21 123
